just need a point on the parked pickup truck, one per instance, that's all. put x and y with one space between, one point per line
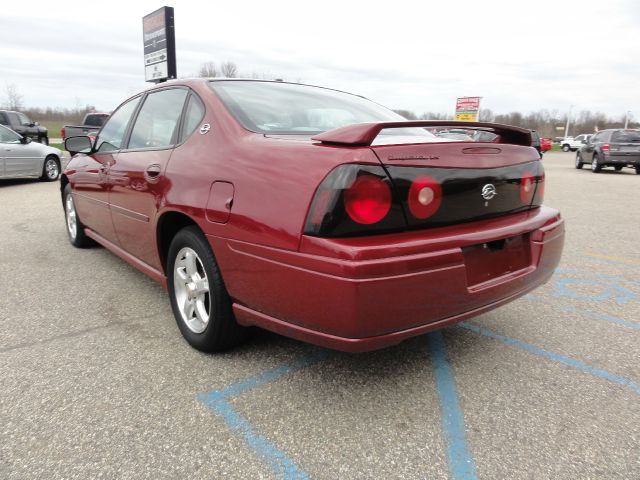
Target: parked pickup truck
91 123
23 125
573 144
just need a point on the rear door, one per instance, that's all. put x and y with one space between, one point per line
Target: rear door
136 177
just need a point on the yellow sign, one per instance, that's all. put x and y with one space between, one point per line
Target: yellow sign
467 117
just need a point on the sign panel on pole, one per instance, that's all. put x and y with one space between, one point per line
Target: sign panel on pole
159 45
467 109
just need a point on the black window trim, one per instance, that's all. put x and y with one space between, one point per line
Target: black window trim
137 112
126 130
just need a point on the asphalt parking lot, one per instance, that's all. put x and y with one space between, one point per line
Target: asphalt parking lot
97 381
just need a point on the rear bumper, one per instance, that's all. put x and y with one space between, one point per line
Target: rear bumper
367 293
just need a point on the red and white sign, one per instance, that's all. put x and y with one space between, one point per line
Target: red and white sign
467 109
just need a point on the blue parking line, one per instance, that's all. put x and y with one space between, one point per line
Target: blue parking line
459 458
282 465
217 401
556 357
589 313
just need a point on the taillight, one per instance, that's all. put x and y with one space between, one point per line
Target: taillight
354 200
368 200
62 132
605 147
425 197
527 187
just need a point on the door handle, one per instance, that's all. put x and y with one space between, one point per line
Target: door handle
153 171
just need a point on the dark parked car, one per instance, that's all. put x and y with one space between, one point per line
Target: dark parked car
20 123
616 148
310 212
90 125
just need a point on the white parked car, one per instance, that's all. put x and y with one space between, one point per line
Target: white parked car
573 144
22 158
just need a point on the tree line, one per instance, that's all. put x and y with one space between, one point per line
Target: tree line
549 123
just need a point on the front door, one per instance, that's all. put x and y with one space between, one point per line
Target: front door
136 177
19 159
89 182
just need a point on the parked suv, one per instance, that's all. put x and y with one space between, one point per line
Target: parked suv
611 148
574 144
20 123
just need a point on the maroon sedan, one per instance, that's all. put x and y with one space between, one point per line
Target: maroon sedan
310 212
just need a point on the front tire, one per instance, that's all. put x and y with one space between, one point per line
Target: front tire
637 169
50 169
595 166
579 162
75 228
566 148
200 302
618 168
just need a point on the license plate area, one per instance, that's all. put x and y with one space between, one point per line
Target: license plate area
487 261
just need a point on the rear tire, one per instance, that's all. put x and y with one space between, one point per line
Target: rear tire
595 166
50 169
579 162
638 169
618 168
75 228
200 302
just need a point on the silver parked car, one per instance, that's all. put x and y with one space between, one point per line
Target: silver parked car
22 158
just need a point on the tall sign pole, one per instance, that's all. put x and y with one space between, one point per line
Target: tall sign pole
159 39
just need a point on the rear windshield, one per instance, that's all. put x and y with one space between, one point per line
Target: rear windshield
626 136
285 108
95 120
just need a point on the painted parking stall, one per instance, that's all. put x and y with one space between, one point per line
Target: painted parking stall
101 384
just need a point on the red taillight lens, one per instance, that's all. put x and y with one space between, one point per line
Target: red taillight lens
605 147
353 200
62 132
527 187
425 197
368 200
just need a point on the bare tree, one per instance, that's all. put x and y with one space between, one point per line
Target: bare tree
229 69
208 69
13 98
408 114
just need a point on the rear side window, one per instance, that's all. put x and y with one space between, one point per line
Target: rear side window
112 134
192 117
157 122
626 136
3 119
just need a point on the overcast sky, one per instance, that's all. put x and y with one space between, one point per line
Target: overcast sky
419 56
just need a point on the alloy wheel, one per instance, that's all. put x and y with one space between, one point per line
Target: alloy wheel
191 290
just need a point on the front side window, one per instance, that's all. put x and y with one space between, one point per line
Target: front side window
24 120
7 136
157 122
112 134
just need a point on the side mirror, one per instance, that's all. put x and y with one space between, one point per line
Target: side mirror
80 144
25 140
584 142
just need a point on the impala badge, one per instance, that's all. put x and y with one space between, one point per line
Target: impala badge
488 192
205 128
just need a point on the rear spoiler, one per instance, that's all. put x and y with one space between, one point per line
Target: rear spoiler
363 134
